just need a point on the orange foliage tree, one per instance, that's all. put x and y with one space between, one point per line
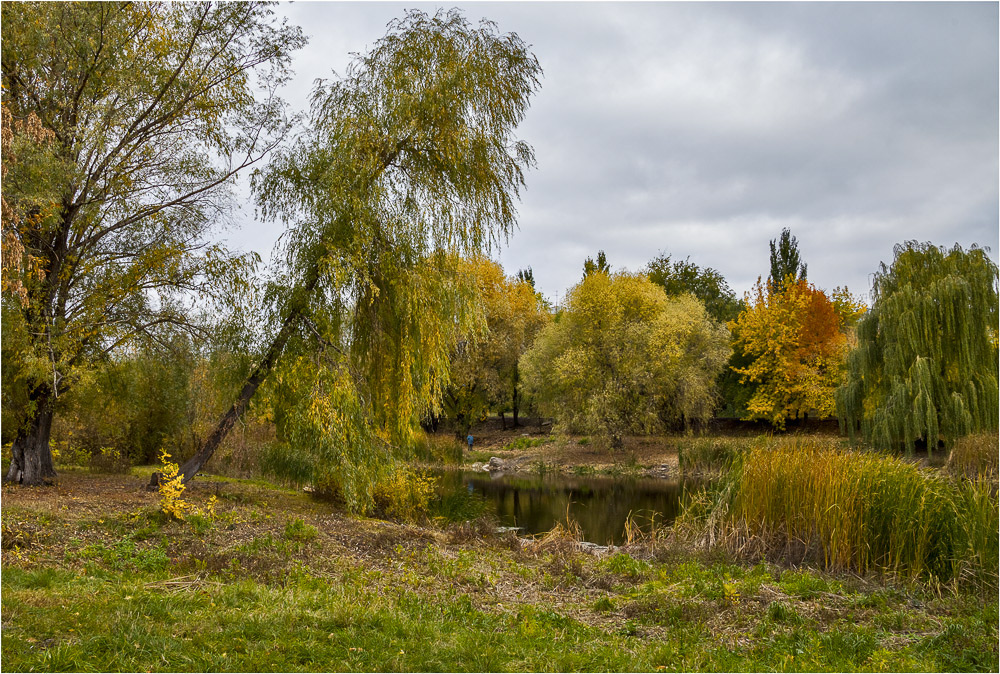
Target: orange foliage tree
796 340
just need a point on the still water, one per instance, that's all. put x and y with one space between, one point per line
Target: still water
600 505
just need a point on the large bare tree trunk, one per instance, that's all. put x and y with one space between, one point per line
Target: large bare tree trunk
31 455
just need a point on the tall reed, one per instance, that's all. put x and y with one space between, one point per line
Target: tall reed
706 456
975 455
865 511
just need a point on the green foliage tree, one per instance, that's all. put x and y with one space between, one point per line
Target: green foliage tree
925 366
410 163
708 285
601 266
133 403
625 358
785 261
129 121
526 276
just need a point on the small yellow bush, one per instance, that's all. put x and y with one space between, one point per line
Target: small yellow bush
171 489
404 495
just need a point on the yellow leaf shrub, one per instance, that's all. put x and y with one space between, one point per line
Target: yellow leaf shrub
172 488
404 495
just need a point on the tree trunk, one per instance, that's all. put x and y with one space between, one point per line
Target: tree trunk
228 420
31 455
516 397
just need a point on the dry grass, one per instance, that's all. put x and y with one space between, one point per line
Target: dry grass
974 456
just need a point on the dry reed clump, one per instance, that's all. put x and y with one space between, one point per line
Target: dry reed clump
482 528
563 537
974 455
851 510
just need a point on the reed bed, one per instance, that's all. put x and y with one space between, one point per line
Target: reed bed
975 455
861 511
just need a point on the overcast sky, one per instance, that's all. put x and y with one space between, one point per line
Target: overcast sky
702 129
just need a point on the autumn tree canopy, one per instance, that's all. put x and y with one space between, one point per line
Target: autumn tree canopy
624 358
925 366
796 341
126 123
484 366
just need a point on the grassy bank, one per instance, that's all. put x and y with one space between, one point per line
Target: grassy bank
94 578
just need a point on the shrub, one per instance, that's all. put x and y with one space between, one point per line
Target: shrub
110 460
171 488
297 530
404 495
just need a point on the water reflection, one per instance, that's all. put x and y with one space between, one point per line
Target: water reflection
600 505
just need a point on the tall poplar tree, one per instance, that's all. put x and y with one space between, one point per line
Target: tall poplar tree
128 122
925 367
785 260
409 163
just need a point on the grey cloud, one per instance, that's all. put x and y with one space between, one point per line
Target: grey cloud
703 129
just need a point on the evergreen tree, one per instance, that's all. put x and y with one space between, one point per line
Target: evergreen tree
926 362
601 266
785 260
526 276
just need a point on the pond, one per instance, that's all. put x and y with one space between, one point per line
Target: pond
600 505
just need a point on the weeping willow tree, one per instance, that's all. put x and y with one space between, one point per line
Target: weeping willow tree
409 163
925 367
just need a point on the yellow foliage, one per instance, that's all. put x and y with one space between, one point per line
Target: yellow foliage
404 494
484 365
624 358
171 489
798 341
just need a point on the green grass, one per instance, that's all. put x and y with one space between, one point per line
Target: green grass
278 583
356 620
